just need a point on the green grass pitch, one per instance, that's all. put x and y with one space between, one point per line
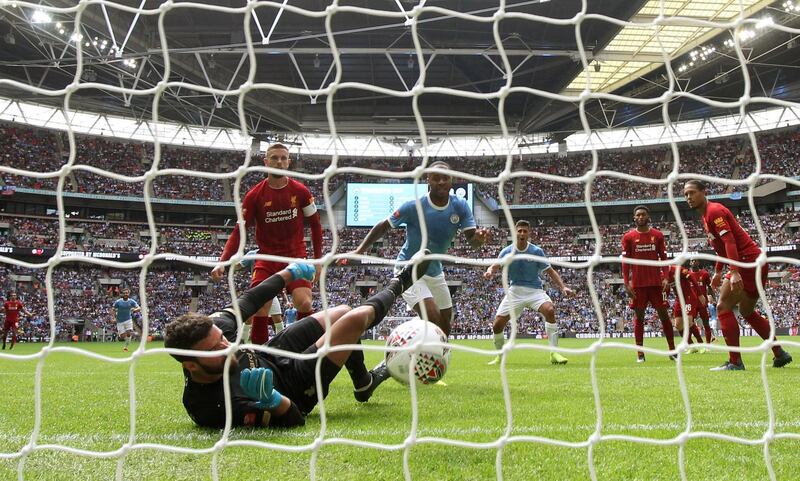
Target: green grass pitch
85 406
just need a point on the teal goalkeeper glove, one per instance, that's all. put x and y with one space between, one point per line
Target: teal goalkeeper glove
248 260
257 384
302 271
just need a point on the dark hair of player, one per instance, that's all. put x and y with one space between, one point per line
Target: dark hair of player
277 146
640 207
186 331
522 223
699 184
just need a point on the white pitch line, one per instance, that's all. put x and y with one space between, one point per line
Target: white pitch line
205 437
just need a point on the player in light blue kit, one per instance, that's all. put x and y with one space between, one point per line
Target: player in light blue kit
124 307
525 290
444 215
290 314
713 321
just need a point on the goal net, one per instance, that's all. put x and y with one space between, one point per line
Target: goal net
506 169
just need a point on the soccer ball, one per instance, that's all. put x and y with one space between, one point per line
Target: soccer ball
430 362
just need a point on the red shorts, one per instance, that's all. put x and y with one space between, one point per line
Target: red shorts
692 308
10 325
264 269
653 295
749 279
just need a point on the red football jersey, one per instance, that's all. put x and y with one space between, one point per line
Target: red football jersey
278 216
718 221
703 280
13 309
688 284
648 245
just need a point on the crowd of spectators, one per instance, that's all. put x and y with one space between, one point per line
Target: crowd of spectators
41 150
30 149
561 241
83 295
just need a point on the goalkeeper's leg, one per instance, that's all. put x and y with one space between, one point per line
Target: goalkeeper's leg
350 327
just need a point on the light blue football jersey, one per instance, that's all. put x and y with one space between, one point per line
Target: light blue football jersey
442 224
124 308
525 272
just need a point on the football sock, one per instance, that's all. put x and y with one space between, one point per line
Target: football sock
638 331
127 340
498 341
694 331
357 369
730 331
706 325
761 326
278 326
381 302
669 333
258 330
552 333
245 332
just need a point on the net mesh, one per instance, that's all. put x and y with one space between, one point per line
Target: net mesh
412 93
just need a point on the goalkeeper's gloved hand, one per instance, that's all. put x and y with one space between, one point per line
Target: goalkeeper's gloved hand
248 260
257 384
302 271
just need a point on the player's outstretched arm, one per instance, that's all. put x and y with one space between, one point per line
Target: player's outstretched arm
377 232
252 299
491 271
477 237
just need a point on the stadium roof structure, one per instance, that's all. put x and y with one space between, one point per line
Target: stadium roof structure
122 48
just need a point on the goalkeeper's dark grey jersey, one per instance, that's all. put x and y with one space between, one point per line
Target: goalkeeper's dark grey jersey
205 403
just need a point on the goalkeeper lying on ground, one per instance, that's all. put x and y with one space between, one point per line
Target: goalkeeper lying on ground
267 389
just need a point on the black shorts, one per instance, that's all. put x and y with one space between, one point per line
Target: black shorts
297 378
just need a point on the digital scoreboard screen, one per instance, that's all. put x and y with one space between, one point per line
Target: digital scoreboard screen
368 204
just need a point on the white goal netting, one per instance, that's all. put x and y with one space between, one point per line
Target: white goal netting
596 174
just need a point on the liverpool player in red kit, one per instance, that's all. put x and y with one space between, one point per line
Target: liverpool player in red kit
12 308
646 284
690 289
739 288
704 292
279 208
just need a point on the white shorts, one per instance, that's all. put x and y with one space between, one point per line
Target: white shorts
429 287
275 307
518 298
125 326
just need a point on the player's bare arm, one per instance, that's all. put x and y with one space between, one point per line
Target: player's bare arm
555 278
377 232
491 271
477 237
